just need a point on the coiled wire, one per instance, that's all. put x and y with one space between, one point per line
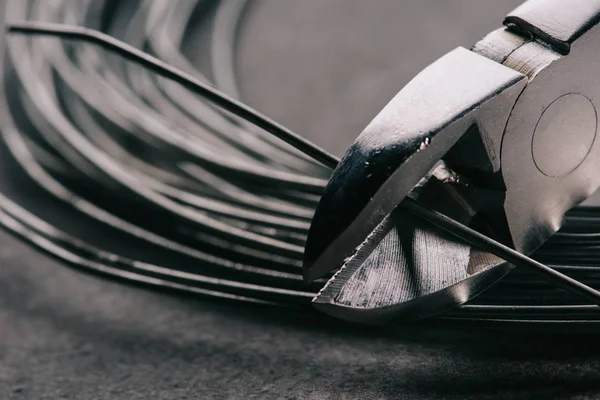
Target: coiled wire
147 182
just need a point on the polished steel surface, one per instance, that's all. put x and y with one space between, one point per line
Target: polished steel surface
402 145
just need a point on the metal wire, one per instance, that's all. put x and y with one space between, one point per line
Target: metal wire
168 173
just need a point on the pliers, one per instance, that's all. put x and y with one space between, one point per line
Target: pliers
501 138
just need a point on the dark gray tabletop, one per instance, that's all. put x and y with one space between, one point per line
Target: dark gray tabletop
324 68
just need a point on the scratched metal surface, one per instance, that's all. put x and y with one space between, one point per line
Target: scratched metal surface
323 67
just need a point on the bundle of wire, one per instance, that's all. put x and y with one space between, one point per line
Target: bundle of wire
158 186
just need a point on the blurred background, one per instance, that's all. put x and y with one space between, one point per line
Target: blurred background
324 68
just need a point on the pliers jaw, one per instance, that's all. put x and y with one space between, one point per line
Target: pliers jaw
472 135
